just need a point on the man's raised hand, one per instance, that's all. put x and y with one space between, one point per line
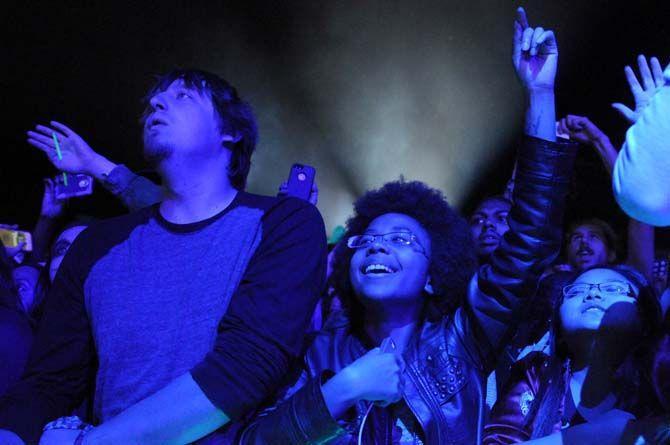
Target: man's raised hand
76 156
534 55
652 81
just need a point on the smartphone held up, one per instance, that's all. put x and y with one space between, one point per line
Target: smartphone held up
300 181
69 185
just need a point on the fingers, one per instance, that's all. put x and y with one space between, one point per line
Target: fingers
40 145
47 131
62 128
576 122
537 32
635 86
526 39
645 73
47 140
562 127
517 42
546 43
625 111
657 72
521 17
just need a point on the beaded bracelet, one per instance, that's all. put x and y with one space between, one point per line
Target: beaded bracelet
70 423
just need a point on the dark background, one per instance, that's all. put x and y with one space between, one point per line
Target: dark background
362 90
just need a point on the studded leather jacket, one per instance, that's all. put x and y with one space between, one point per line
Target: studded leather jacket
449 358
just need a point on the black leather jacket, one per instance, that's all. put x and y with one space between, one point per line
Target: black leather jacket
450 358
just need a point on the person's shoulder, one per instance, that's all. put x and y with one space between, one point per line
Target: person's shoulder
272 203
279 209
109 231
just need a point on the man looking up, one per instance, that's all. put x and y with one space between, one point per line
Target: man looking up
488 224
192 308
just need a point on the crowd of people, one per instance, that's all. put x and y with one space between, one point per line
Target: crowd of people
210 315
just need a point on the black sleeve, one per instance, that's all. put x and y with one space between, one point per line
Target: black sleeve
263 330
59 368
301 418
497 293
134 191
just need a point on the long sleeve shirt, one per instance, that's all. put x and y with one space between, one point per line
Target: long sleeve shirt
139 301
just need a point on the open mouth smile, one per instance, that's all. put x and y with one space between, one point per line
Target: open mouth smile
377 269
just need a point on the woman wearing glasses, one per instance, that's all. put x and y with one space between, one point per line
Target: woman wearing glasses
407 361
602 333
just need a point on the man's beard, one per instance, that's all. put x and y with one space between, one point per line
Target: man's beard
156 151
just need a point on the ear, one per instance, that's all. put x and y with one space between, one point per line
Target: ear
429 287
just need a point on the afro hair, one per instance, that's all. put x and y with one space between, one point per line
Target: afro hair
452 262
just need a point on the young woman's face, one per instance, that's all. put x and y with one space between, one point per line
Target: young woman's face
385 268
600 299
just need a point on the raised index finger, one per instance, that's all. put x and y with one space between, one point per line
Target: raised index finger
521 17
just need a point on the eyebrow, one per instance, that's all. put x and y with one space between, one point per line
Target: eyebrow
393 229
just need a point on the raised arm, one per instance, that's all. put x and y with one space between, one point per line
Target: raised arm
542 176
640 235
535 58
77 156
640 179
51 210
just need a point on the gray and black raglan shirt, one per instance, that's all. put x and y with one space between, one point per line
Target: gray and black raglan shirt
139 301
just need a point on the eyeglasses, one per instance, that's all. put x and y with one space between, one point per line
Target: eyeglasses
397 239
608 289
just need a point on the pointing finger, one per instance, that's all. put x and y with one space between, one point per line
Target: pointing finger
521 17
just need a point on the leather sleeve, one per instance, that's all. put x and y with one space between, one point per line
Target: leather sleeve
500 289
302 418
508 417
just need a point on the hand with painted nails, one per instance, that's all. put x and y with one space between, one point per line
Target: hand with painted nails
535 54
652 81
73 154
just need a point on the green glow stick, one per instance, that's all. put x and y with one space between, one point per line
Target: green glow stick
59 154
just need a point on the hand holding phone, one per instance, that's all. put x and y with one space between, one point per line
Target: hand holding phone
301 183
12 238
76 185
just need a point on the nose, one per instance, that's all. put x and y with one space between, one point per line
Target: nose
377 246
593 294
157 102
488 224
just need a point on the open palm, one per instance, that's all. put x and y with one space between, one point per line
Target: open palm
76 154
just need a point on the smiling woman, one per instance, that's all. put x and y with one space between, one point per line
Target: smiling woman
605 325
421 326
